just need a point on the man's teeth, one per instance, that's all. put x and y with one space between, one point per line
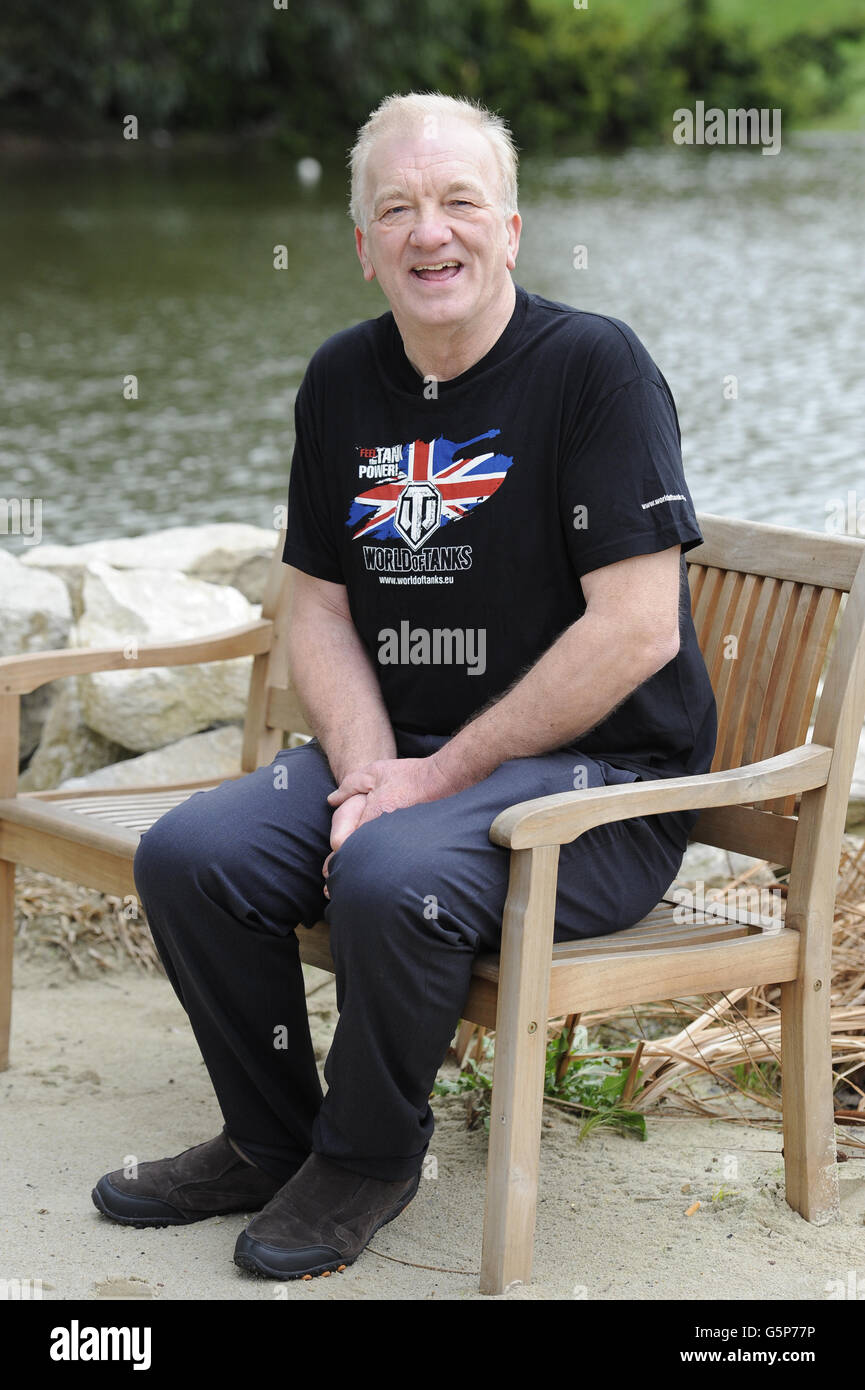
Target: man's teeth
442 266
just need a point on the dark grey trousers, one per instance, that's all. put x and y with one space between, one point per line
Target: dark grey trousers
226 877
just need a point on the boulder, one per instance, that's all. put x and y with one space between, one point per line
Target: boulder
35 616
68 747
215 753
715 866
230 553
147 708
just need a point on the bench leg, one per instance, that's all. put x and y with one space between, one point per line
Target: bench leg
810 1160
518 1073
7 932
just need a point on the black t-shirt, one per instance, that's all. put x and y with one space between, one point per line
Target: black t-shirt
462 514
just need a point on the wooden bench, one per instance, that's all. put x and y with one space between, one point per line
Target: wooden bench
765 602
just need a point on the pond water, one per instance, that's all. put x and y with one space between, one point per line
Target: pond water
728 264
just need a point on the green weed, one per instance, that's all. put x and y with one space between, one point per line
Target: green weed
594 1084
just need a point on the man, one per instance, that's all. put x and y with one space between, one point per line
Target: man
487 515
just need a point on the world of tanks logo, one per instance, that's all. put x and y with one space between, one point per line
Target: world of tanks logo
432 484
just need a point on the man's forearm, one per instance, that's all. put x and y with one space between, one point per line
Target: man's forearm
585 674
339 690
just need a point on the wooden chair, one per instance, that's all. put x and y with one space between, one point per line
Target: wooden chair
765 602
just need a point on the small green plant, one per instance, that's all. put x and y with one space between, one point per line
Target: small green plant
474 1083
762 1080
471 1078
724 1192
595 1084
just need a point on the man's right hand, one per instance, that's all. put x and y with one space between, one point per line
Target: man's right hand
345 819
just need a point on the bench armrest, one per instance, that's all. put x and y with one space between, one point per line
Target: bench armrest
19 675
559 819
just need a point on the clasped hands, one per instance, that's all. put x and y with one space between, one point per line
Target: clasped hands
389 784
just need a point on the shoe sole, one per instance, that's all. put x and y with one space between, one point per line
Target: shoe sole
254 1264
104 1189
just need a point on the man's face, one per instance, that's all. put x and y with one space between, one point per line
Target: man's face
438 241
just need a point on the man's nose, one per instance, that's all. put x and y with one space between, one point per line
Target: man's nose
431 228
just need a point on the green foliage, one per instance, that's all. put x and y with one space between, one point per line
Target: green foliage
474 1082
471 1078
594 1084
308 74
724 1192
762 1080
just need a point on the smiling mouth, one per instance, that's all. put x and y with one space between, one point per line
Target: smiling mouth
437 270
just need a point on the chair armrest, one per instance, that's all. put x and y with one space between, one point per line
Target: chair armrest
19 675
559 819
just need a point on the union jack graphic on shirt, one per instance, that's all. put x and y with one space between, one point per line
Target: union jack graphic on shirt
434 485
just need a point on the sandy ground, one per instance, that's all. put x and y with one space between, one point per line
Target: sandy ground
107 1067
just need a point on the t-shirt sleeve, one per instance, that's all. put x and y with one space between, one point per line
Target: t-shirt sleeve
310 540
622 484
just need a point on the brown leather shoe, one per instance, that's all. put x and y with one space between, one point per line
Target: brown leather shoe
208 1180
320 1221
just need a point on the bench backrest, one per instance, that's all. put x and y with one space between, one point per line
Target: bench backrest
765 601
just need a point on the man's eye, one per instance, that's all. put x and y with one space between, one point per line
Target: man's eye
397 208
461 203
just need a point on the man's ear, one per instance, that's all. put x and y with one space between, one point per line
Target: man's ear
360 243
514 227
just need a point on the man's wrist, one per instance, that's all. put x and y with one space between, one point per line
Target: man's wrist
460 763
344 762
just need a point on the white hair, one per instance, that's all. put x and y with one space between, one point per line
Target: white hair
397 113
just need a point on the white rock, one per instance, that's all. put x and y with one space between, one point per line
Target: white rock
34 612
213 754
710 865
68 748
147 708
35 616
223 553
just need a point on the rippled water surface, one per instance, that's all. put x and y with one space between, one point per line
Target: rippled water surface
726 263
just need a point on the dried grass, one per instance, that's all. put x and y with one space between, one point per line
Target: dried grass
91 930
731 1044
